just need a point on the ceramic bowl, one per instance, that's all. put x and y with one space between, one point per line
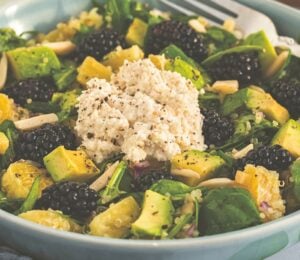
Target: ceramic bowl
45 243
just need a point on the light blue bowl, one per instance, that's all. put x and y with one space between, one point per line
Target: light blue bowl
45 243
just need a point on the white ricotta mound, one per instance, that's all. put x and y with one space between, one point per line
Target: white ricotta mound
142 112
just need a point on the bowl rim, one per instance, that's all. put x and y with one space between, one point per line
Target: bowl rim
121 243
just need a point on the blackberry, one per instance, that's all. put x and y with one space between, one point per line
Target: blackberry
244 67
147 180
287 93
34 145
180 34
40 89
271 157
147 173
99 43
72 198
216 129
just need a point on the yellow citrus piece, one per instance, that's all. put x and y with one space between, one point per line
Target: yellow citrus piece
19 177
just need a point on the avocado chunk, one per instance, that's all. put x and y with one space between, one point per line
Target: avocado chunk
288 137
156 216
186 70
67 165
33 62
116 220
268 56
257 99
137 32
227 209
202 163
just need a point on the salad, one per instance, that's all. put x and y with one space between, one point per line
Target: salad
129 122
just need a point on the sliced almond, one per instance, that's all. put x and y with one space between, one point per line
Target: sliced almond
61 48
277 64
203 21
218 182
197 26
101 182
35 122
185 173
229 25
243 152
225 87
3 70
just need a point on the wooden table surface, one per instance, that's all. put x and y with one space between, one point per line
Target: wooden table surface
295 3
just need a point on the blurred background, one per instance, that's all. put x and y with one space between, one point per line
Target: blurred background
295 3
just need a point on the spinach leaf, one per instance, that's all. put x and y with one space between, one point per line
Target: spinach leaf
8 204
83 32
141 11
119 14
182 221
9 40
32 197
101 166
209 100
67 102
217 56
227 209
42 107
9 129
170 187
112 189
64 77
248 129
220 39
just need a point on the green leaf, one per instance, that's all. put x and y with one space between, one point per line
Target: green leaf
3 200
32 197
215 57
64 77
220 38
9 129
269 55
227 209
9 205
289 70
187 71
112 189
119 13
171 187
83 32
9 40
42 107
197 209
183 220
172 52
247 129
141 11
209 100
67 102
116 157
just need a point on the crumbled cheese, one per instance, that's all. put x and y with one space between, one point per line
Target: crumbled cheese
142 112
